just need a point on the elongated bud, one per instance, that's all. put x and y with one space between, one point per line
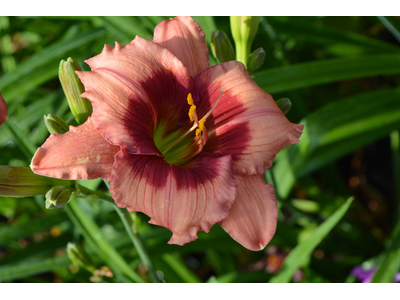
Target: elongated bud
80 107
3 110
57 197
256 59
284 104
79 257
55 124
244 30
22 182
221 47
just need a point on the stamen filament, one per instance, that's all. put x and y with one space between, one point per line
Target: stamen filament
215 105
200 134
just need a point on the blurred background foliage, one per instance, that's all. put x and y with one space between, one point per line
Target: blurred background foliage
342 76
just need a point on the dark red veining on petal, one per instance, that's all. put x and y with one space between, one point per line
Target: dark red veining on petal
234 140
168 101
154 170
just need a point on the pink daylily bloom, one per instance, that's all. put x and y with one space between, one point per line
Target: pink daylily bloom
3 110
183 142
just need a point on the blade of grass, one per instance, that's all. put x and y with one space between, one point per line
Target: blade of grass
392 25
320 33
390 262
176 263
325 71
17 231
50 54
29 268
302 251
395 145
126 27
137 242
93 236
336 129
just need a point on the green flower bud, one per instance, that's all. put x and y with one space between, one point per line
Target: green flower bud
256 59
284 104
221 47
22 182
55 124
244 30
57 197
80 107
79 257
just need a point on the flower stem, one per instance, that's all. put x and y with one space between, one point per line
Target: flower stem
130 228
137 242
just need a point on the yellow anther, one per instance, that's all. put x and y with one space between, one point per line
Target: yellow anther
192 111
198 131
190 99
201 124
201 127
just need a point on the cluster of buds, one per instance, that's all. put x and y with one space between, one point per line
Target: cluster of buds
21 181
244 30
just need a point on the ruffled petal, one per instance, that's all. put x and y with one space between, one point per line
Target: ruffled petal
184 38
246 123
3 110
253 217
133 88
77 154
184 199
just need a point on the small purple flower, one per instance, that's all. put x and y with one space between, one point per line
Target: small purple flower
365 276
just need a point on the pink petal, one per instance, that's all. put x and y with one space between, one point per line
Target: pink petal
3 110
133 88
246 123
79 153
184 38
184 199
254 214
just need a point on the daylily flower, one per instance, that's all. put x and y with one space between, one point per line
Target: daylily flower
3 110
185 143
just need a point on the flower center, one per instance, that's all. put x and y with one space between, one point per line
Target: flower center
181 145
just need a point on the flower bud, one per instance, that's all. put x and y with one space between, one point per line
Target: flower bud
55 124
284 104
3 110
57 197
80 107
221 47
256 59
244 30
22 182
79 257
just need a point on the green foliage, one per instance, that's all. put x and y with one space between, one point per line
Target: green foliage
341 75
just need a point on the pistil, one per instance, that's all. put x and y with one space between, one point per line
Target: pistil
188 150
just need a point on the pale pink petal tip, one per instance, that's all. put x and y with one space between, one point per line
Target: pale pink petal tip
186 40
253 216
3 110
80 153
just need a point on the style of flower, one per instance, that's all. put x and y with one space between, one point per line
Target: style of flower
3 110
183 142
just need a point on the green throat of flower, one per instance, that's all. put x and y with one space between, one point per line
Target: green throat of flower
182 145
